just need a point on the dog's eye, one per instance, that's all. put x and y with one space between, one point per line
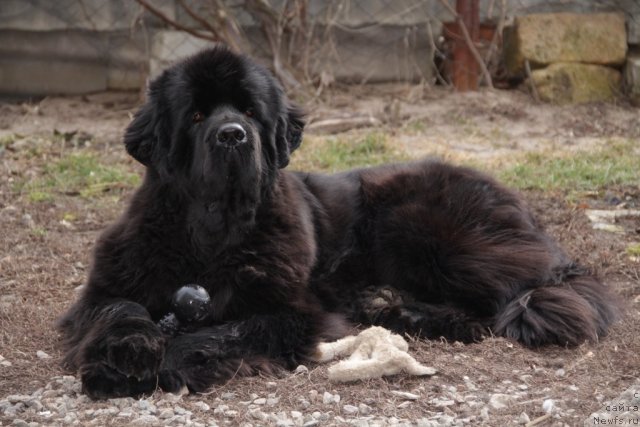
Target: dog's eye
197 117
249 112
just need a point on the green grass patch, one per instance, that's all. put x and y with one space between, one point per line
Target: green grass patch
79 173
345 152
633 249
614 164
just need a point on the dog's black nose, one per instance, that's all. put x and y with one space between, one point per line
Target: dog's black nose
231 134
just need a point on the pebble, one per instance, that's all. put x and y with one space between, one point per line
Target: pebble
166 413
202 406
4 362
364 409
27 221
301 369
42 355
350 409
328 398
500 401
146 420
523 418
60 403
548 405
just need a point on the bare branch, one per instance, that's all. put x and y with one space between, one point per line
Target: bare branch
173 23
205 24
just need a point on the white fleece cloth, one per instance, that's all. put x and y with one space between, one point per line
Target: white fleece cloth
374 353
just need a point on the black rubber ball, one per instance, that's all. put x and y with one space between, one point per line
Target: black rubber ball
191 303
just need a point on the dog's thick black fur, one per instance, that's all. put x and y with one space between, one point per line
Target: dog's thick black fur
290 259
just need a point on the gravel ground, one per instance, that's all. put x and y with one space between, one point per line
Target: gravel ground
61 403
43 259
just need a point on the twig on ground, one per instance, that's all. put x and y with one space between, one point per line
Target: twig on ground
534 89
538 420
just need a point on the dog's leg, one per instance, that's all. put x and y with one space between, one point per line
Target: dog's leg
121 353
429 321
261 343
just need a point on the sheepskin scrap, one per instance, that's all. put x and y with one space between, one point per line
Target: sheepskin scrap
374 353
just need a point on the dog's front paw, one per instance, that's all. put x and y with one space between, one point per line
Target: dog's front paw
138 355
132 346
99 381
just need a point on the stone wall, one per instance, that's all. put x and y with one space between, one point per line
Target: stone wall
80 46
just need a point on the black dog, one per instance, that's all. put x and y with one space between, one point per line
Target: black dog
290 259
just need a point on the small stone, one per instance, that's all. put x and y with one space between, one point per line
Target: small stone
16 398
230 413
178 420
35 404
258 414
27 221
221 409
271 384
327 398
560 372
202 406
500 401
260 401
350 409
364 409
146 420
523 418
484 413
228 396
4 362
301 369
296 414
166 413
19 423
304 403
313 395
273 401
405 395
144 404
424 422
548 405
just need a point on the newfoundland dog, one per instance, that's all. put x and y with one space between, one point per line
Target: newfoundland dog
289 259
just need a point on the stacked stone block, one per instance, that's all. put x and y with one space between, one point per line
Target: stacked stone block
568 57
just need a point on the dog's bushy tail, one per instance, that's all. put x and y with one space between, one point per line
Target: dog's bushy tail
578 309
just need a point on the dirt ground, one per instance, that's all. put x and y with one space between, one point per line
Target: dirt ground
44 256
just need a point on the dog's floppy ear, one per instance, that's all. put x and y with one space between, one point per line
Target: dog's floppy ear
140 134
289 134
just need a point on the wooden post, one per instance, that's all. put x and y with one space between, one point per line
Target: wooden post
465 70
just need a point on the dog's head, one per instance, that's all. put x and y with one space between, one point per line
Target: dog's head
217 119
